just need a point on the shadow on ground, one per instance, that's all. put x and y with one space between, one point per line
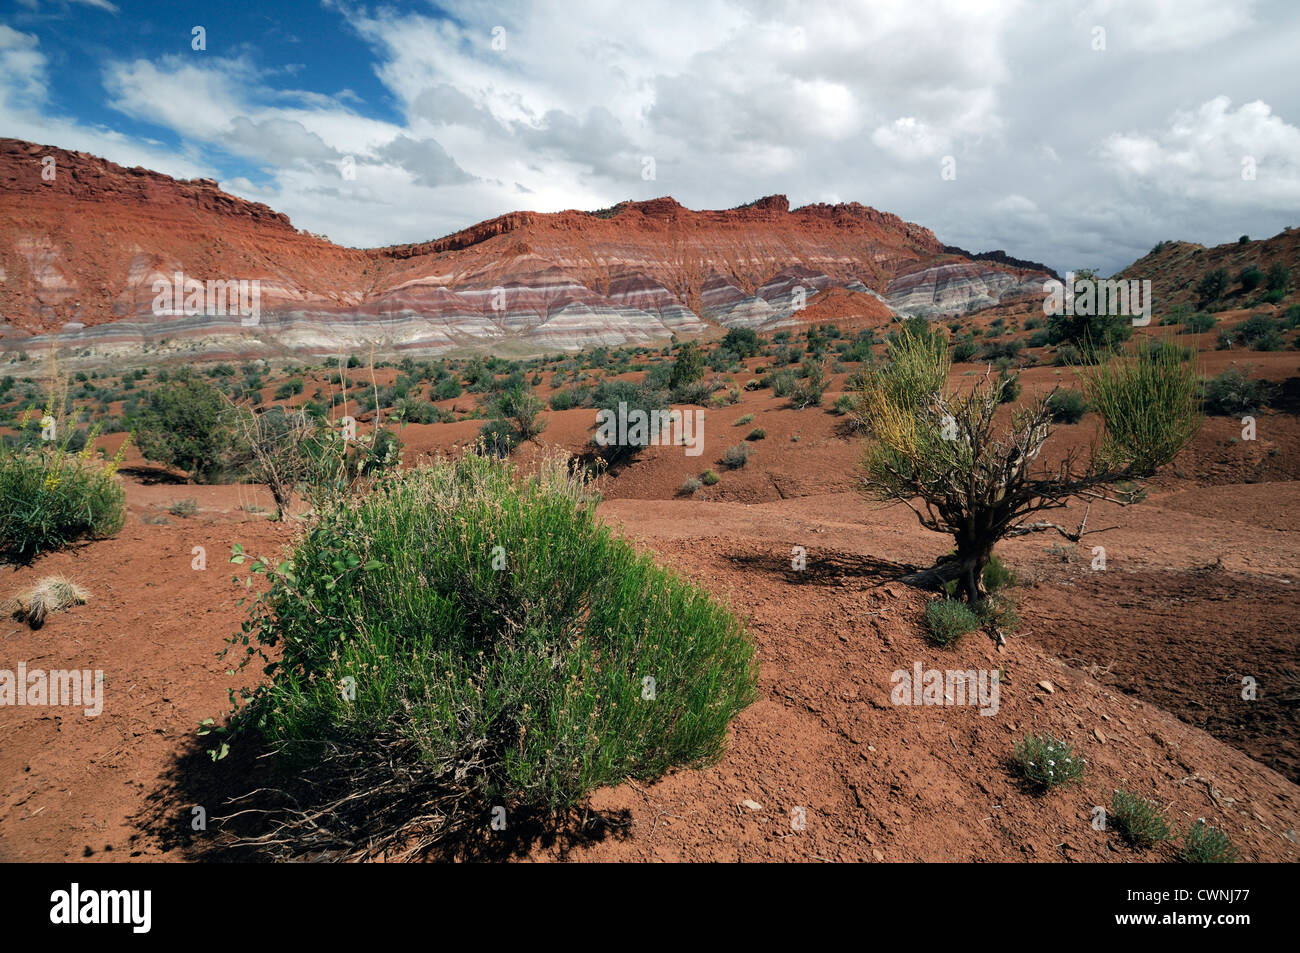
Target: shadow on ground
833 569
231 810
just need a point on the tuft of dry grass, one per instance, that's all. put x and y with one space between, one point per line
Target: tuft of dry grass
51 594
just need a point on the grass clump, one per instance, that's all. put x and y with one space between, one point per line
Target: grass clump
184 508
948 620
758 433
497 645
1067 406
1203 844
709 478
1046 762
51 594
1140 822
737 456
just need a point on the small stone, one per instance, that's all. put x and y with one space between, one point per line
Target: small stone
752 805
1096 733
878 855
1047 686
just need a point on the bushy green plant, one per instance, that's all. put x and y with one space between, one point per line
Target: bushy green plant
811 386
1232 393
1150 404
50 497
758 433
997 575
709 477
187 423
1046 762
1140 822
497 644
948 620
784 383
1203 844
1067 406
737 456
1199 323
1260 332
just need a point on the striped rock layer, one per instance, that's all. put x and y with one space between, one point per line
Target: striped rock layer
80 254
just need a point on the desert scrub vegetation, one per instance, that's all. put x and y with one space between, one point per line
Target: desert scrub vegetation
49 595
1140 822
929 442
1232 393
188 424
1045 762
1067 406
51 497
1203 844
497 645
947 620
736 457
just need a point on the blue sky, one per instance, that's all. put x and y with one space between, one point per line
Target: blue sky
1080 133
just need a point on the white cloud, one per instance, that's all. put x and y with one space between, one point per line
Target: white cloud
1202 154
1163 26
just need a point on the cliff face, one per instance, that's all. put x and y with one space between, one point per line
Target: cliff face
80 253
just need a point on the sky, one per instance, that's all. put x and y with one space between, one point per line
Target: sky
1078 134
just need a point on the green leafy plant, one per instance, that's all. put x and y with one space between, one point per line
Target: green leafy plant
947 620
1140 822
483 638
1203 844
1046 762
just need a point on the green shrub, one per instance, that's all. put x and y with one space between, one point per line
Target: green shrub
1067 355
737 456
812 385
709 477
1199 323
50 498
1140 822
447 389
1250 278
504 648
688 367
741 421
1046 762
997 575
184 508
963 352
1279 278
1232 394
187 423
1203 844
1260 332
1067 406
1150 404
783 383
743 342
1212 286
1010 384
498 437
758 433
948 620
690 486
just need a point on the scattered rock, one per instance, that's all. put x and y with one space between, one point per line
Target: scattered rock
752 805
1047 686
